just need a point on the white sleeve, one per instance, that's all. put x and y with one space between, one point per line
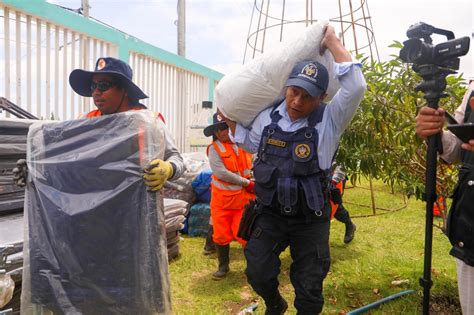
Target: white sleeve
451 143
344 104
249 139
172 154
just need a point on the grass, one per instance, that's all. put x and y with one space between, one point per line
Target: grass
386 248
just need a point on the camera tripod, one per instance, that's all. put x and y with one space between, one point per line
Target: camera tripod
433 85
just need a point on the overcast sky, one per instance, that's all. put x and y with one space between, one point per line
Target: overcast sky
216 30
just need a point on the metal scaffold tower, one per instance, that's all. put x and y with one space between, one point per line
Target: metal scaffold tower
273 21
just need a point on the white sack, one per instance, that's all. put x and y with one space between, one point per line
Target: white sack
242 94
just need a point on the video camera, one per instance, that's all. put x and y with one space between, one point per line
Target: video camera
433 62
423 52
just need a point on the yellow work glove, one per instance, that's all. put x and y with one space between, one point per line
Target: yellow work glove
157 173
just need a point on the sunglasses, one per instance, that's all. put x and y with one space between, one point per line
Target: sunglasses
102 86
221 127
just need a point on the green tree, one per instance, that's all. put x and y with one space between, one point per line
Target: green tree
380 142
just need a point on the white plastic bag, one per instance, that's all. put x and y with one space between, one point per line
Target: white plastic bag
243 94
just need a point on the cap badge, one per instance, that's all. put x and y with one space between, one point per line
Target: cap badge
101 64
310 70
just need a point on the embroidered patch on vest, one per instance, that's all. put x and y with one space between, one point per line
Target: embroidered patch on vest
302 150
277 143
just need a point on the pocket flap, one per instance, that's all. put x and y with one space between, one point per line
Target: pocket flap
287 191
263 173
314 192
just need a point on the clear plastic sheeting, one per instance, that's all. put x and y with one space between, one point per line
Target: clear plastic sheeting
242 94
198 220
95 240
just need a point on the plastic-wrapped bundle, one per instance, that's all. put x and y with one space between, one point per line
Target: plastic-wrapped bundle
175 223
173 240
173 251
12 147
175 211
202 186
96 241
181 188
243 94
174 207
198 220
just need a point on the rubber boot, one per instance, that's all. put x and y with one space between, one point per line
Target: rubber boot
209 246
223 258
276 306
350 231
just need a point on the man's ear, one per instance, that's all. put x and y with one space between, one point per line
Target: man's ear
323 96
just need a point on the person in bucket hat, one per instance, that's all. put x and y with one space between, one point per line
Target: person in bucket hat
218 124
113 91
110 85
231 190
296 139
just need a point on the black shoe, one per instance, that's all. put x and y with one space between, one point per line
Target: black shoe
279 308
208 250
350 231
223 258
209 246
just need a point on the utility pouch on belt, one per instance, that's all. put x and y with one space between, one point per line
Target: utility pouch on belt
247 221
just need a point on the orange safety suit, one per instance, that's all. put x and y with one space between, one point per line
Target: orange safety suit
98 113
228 199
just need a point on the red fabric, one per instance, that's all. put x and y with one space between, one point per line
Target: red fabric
437 209
250 187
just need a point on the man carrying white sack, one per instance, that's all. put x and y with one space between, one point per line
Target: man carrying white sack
296 139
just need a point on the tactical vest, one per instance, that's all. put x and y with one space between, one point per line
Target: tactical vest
225 195
287 173
460 226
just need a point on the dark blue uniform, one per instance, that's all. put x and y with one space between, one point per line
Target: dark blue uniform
292 200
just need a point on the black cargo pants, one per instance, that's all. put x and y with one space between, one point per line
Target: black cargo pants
342 215
309 248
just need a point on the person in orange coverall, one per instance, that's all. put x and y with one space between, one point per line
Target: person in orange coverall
231 189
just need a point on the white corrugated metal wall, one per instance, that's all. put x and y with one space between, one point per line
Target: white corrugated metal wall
38 57
172 91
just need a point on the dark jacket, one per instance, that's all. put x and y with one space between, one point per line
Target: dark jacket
461 216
